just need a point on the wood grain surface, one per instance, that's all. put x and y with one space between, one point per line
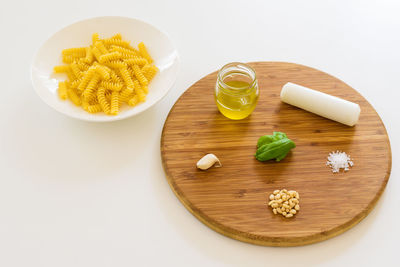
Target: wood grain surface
233 199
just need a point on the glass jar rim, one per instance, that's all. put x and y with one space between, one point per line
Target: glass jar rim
254 80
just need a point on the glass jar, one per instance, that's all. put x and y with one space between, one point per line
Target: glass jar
236 91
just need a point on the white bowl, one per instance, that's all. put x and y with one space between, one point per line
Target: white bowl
79 34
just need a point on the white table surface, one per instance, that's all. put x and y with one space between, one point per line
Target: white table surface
74 193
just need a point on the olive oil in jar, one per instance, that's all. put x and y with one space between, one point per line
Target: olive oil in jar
236 92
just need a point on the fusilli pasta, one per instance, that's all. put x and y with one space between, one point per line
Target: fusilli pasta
106 74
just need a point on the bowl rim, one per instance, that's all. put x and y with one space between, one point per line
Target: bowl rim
93 118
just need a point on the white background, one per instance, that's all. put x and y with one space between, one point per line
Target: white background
74 193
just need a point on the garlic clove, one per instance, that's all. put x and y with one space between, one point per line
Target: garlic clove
208 161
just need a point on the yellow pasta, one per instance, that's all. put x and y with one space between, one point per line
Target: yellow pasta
136 85
75 70
108 94
133 101
94 108
114 103
125 51
110 57
149 71
105 75
126 77
86 78
62 90
139 75
61 69
82 65
141 94
90 91
114 77
143 51
85 104
72 95
76 83
118 42
95 37
116 64
140 91
145 89
112 86
127 56
101 97
103 71
135 60
101 47
75 52
117 36
97 53
89 55
126 94
132 73
70 74
68 59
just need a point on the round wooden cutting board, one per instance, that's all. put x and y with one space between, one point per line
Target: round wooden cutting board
233 199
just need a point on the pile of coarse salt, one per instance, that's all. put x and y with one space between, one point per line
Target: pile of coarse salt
339 160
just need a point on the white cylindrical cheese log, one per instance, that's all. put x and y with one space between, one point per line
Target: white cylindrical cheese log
322 104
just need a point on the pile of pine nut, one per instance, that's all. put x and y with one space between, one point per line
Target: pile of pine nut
284 202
